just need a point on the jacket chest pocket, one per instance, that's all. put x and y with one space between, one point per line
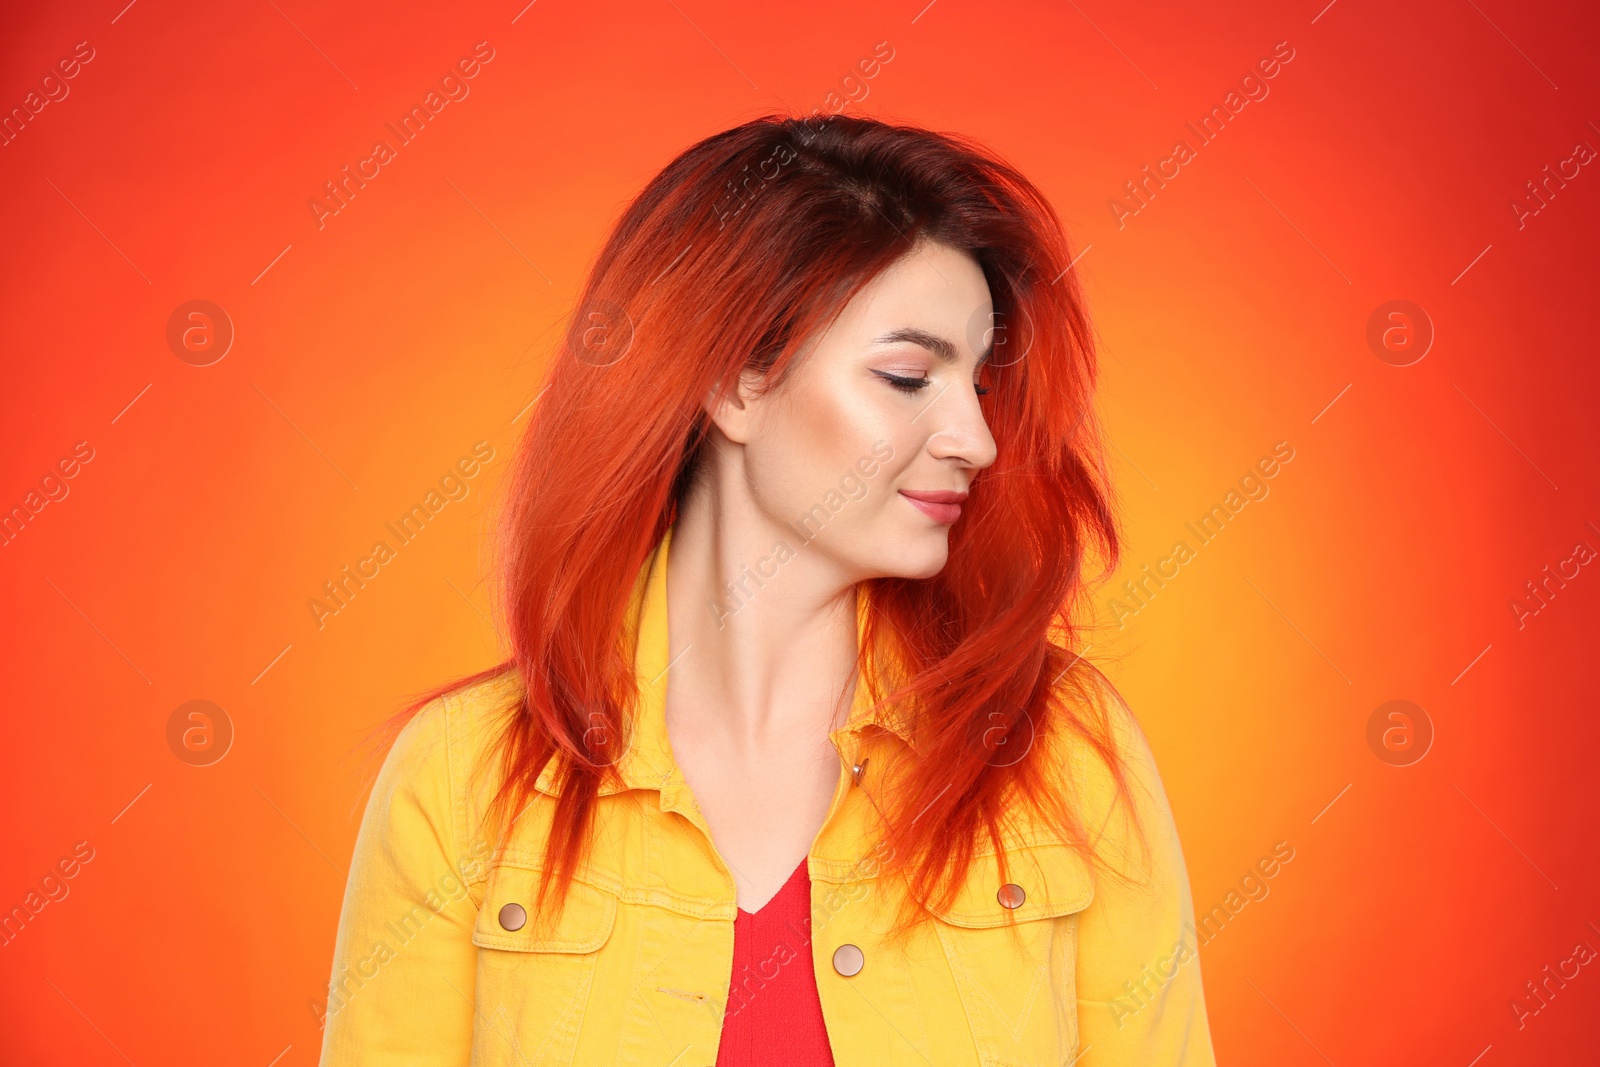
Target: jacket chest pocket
1011 943
535 977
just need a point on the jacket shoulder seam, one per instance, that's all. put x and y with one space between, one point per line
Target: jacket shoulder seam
465 747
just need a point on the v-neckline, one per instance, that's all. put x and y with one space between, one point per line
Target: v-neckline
781 889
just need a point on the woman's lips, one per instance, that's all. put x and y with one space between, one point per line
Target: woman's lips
940 505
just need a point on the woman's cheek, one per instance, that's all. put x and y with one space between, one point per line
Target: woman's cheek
837 425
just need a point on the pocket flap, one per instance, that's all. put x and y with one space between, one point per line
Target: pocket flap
1053 879
583 925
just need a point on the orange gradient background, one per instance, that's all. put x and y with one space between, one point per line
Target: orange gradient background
374 351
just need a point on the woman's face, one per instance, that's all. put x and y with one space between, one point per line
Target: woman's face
864 454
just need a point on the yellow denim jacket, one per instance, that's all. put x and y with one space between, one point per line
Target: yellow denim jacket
434 966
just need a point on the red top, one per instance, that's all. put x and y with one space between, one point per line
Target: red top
774 1016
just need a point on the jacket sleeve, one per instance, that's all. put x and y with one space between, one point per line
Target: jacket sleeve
1140 997
402 988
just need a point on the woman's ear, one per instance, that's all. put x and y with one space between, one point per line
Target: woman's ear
736 411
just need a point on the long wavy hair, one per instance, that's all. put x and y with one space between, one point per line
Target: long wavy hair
738 251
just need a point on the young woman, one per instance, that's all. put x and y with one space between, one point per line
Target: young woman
791 761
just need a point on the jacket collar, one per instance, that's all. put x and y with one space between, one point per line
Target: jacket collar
647 762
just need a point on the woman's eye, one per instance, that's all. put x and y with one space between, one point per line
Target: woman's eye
902 383
983 390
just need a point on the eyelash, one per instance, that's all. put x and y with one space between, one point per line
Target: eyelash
912 385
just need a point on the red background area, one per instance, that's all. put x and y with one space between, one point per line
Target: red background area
374 351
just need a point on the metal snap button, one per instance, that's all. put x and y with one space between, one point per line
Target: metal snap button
513 917
848 960
858 770
1011 895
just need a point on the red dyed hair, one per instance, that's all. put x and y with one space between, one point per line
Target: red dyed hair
736 253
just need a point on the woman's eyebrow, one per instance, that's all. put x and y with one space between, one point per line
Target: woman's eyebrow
931 341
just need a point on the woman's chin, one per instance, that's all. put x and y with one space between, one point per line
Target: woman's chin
920 556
